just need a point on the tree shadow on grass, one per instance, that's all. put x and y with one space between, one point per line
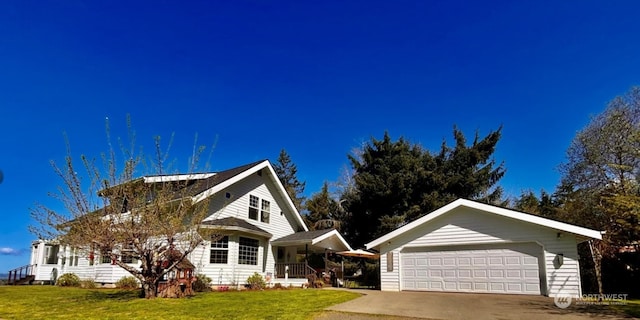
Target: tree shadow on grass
113 295
598 311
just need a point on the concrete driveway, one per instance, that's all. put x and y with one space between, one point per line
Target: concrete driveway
436 305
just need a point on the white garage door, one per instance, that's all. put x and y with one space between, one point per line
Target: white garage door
509 268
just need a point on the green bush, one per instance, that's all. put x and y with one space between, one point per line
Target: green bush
202 283
68 280
127 282
88 284
256 282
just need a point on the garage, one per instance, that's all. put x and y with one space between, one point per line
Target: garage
511 269
472 247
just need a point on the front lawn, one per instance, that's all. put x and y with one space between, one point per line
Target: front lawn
631 308
49 302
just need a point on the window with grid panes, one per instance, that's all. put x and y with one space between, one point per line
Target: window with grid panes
266 211
219 252
248 251
253 207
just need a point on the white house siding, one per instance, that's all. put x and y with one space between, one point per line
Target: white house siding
42 270
231 272
390 280
465 226
281 223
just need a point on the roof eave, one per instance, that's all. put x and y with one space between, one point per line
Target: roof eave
238 229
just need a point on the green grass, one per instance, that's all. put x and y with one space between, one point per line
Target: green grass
631 308
49 302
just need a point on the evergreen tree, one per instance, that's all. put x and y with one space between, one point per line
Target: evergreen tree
323 211
397 181
544 206
287 173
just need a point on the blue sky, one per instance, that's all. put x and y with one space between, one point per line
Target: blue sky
316 78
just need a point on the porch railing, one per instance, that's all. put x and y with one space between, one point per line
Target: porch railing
20 274
296 270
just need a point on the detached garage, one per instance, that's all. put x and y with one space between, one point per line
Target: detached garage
468 246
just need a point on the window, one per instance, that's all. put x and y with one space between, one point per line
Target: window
128 258
105 257
73 257
219 250
51 254
128 254
389 261
248 251
253 207
264 214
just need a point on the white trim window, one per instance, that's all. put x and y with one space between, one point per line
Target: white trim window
266 211
219 252
248 251
253 207
51 253
128 254
105 258
74 257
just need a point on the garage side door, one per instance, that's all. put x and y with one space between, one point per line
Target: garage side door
509 269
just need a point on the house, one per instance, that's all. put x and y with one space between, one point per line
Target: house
259 230
468 246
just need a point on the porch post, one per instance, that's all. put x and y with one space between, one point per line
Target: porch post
306 253
326 261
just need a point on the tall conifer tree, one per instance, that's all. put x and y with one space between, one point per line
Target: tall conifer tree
287 172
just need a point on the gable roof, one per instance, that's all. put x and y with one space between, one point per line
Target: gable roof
229 177
301 236
235 224
314 237
203 185
507 213
200 182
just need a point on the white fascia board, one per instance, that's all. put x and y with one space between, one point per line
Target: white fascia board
331 234
211 191
178 177
560 226
412 225
285 196
240 229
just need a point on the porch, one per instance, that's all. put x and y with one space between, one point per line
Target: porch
294 252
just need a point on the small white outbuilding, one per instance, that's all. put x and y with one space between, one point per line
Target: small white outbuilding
467 246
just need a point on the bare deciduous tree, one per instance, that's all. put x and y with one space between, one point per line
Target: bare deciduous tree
109 212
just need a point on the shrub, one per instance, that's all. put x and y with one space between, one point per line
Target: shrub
68 280
256 282
278 285
202 283
318 284
88 284
127 282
